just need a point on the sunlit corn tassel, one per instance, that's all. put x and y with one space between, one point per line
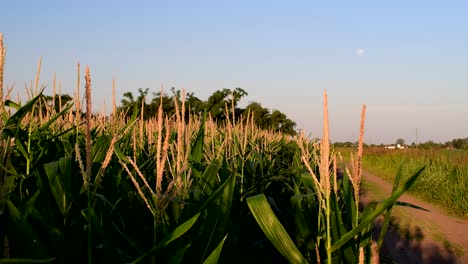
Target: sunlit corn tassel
317 253
36 88
375 257
54 86
356 163
135 166
88 124
60 96
2 67
361 255
159 165
179 145
142 122
114 105
107 160
134 144
137 186
360 151
77 95
325 150
81 165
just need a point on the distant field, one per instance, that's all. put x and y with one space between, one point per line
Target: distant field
444 181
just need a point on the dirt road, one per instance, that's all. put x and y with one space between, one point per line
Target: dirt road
418 236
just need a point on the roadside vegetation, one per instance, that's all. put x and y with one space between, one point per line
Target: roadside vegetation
444 181
175 186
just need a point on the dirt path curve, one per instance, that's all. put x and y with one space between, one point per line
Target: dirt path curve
418 236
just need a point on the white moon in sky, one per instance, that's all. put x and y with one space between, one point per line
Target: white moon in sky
360 51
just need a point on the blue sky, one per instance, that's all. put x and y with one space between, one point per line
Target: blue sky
407 60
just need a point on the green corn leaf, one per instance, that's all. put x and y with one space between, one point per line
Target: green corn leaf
22 148
365 237
119 154
350 204
273 229
9 103
410 205
20 232
15 120
389 210
196 154
338 229
52 120
59 177
304 209
208 179
177 257
132 243
30 203
214 256
178 232
218 193
378 211
300 220
308 182
216 218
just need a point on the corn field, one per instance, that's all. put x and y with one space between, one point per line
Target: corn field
78 187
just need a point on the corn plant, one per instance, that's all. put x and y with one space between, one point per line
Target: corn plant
327 223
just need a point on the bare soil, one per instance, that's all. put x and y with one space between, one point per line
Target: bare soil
418 236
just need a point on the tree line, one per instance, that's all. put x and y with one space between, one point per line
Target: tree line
219 104
457 143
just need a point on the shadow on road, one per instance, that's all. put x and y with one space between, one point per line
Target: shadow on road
407 244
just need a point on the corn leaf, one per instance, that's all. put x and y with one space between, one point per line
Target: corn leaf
378 211
59 177
54 118
273 229
196 154
214 256
178 232
178 256
389 210
12 124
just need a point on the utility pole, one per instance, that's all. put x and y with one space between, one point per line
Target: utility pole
416 137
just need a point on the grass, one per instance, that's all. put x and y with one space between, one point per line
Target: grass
444 182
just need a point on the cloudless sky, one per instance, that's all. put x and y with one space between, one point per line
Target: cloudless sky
407 60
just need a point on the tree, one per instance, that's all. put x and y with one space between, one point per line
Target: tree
460 143
260 114
130 105
217 102
400 142
58 101
281 123
216 105
275 120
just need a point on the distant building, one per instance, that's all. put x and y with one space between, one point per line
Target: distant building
397 146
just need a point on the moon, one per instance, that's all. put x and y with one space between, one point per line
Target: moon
360 52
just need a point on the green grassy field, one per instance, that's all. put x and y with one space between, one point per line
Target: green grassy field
444 181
